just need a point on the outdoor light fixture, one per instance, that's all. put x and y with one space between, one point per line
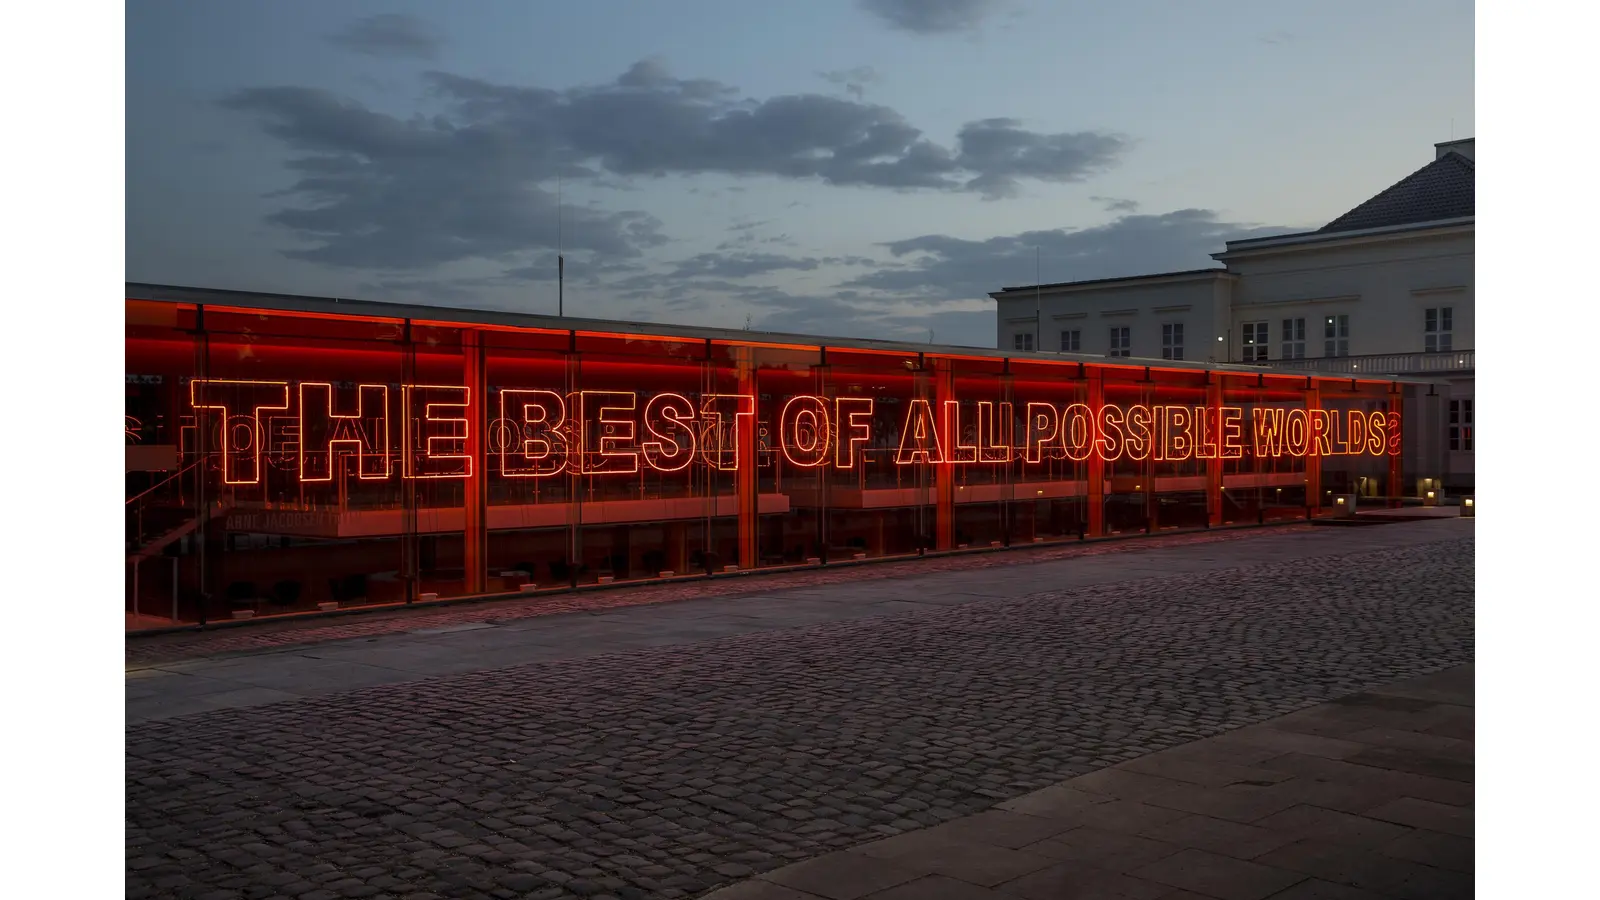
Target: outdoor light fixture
1340 501
1467 502
1466 508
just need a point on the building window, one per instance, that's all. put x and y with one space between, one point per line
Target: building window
1071 341
1461 425
1336 336
1022 342
1436 327
1255 342
1121 341
1172 341
1294 339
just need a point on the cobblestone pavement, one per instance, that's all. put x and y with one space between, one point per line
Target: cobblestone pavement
160 648
666 772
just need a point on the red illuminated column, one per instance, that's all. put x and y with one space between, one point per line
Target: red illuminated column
1096 498
747 486
1396 457
1313 458
944 471
1214 464
476 495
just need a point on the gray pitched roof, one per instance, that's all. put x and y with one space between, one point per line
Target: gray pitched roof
1442 189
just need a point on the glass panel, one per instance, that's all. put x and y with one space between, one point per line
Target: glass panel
303 426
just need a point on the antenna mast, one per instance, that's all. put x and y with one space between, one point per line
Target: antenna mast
561 260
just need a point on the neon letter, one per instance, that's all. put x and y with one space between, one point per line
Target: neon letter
240 464
1077 432
1356 434
1268 421
1112 442
1177 441
994 433
1376 435
1232 446
1140 441
607 432
674 413
321 428
534 448
803 431
852 427
959 452
1321 420
1297 428
425 425
1043 422
725 418
919 436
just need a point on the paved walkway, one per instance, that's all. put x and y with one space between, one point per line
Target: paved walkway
460 641
1370 796
292 631
670 749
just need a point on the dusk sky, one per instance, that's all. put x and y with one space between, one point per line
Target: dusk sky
867 168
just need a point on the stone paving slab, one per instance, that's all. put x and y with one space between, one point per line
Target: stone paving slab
669 771
1093 841
439 650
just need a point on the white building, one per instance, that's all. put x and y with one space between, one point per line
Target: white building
1385 288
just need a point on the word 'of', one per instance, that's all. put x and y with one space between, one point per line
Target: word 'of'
541 433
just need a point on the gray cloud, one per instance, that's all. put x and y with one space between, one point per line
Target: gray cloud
391 35
940 267
854 81
472 179
931 16
378 192
745 265
1116 204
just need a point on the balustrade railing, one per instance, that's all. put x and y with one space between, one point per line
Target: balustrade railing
1382 363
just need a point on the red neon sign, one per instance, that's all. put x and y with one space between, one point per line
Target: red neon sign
538 433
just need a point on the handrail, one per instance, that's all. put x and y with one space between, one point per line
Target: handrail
1385 363
162 483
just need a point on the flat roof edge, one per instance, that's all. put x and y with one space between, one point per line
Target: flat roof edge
291 303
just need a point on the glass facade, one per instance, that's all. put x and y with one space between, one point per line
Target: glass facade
284 461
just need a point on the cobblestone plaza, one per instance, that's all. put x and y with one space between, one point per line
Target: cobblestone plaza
670 767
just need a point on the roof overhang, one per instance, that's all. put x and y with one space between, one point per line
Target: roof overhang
1288 243
1105 284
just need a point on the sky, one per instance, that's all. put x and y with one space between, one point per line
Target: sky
855 168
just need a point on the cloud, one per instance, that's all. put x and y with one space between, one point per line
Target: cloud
391 35
940 267
1115 204
931 16
745 265
472 178
854 81
377 192
1276 37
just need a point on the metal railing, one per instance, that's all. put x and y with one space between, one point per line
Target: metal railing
1382 363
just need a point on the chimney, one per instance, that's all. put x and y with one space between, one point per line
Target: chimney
1463 147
